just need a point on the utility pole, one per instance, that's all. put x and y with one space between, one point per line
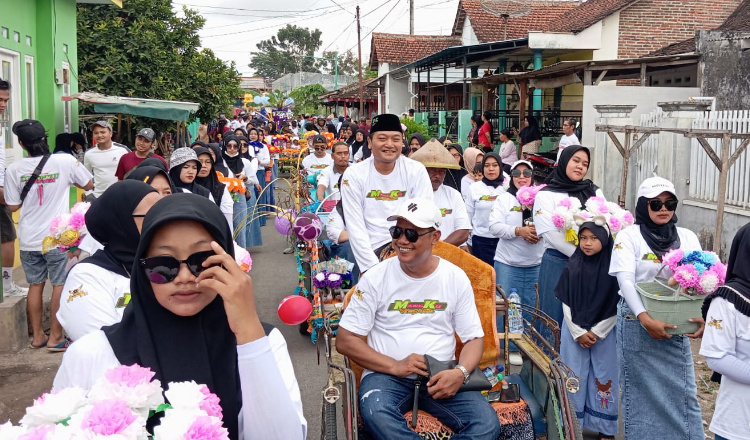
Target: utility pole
411 17
359 56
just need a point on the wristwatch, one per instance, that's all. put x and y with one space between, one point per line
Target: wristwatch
464 371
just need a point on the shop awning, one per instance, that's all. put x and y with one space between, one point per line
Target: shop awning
149 108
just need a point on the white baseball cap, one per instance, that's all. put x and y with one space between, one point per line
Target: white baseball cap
653 186
422 213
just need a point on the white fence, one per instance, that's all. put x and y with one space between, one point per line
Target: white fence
647 156
704 176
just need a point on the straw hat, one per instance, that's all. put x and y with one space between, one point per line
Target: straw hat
433 154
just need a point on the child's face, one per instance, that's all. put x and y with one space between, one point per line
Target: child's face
589 242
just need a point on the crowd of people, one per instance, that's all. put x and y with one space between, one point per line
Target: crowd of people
161 287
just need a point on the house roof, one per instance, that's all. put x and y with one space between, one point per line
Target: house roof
404 48
587 14
253 82
350 93
486 17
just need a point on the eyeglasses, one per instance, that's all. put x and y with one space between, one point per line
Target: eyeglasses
517 173
243 143
456 155
231 146
164 268
657 204
411 234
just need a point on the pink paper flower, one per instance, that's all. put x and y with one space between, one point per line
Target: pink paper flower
206 428
720 269
38 433
130 376
686 275
615 224
558 220
210 403
108 417
672 258
566 202
628 218
77 220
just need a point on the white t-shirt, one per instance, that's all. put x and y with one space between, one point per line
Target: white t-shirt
544 206
92 297
466 183
90 245
506 215
566 141
728 332
103 165
264 156
369 198
453 210
479 204
401 315
49 195
335 226
329 178
2 158
313 163
264 367
227 207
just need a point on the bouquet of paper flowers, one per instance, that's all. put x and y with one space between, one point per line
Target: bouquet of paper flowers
243 258
67 230
236 187
570 214
527 194
118 406
697 272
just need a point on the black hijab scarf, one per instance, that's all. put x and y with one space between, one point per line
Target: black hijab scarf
530 133
193 187
219 164
357 145
109 220
234 163
453 177
146 175
154 162
353 138
210 182
526 214
499 180
660 238
559 182
585 284
177 348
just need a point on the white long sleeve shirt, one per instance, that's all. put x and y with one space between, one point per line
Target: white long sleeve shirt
507 215
601 329
479 204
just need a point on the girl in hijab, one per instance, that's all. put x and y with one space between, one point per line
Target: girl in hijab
589 297
351 132
271 128
482 196
219 165
529 139
154 162
243 210
208 179
415 143
98 289
453 177
192 317
264 161
726 342
473 159
566 180
183 169
156 177
344 133
657 374
359 149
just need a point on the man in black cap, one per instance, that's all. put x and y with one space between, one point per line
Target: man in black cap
373 190
319 159
44 194
144 144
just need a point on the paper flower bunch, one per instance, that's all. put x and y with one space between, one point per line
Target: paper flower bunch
563 218
243 258
697 271
67 230
236 187
117 407
602 213
325 279
526 195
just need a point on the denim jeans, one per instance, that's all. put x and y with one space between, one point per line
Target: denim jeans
484 248
718 437
657 380
383 400
553 263
523 280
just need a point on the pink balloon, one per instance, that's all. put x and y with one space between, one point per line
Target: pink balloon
282 222
294 309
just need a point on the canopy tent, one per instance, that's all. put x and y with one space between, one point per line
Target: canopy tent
149 108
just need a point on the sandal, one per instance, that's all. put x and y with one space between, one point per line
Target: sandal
36 347
62 346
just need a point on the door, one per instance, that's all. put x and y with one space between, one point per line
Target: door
10 71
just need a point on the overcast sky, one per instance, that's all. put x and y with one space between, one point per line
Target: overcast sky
234 27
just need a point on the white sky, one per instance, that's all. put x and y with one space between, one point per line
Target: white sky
234 27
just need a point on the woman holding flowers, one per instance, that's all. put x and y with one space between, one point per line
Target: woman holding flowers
518 252
246 226
657 378
193 318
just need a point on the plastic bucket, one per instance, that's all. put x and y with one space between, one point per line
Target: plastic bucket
667 304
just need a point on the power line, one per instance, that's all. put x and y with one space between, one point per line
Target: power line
373 28
255 10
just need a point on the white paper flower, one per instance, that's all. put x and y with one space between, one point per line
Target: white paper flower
107 419
10 432
132 384
185 395
54 407
183 424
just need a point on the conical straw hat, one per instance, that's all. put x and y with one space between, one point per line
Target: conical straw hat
434 155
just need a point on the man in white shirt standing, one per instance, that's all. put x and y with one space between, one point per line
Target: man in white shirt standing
328 180
407 307
455 225
569 138
46 197
102 161
373 190
319 159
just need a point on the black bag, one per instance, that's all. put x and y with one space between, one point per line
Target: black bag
34 176
477 380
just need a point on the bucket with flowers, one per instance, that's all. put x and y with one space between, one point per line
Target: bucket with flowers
679 297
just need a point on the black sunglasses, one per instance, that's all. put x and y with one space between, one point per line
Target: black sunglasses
163 269
411 234
231 146
657 204
517 173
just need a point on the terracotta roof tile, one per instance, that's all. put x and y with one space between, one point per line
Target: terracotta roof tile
404 48
587 14
486 17
351 91
681 47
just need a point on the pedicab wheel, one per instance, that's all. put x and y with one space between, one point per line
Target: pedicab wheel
576 428
328 427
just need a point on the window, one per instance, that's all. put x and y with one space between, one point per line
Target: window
5 32
28 40
30 86
16 37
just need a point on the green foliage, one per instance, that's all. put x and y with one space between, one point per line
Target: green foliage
145 50
276 99
368 73
347 63
285 52
413 126
306 98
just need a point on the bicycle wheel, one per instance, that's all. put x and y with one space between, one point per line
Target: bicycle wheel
328 429
576 429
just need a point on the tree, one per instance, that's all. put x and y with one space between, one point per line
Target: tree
306 98
285 52
145 50
347 63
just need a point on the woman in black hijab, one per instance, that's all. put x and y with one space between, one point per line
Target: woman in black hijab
102 280
360 149
416 141
208 179
590 296
479 205
184 169
529 139
453 177
156 177
219 164
154 162
192 317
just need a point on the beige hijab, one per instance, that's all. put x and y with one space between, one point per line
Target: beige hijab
470 160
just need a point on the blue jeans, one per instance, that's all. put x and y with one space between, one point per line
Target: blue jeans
718 437
384 399
484 248
657 380
37 266
344 250
553 263
523 280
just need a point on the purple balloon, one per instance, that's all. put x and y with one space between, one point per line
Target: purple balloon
308 226
283 223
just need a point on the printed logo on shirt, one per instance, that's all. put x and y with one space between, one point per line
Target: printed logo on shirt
715 323
43 178
319 166
487 198
651 257
406 307
345 182
516 209
123 301
76 293
445 211
618 246
538 212
380 195
358 293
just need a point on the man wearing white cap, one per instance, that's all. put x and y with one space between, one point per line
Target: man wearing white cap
407 307
102 161
373 190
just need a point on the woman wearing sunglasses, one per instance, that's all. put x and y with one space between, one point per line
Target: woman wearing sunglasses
482 197
193 317
518 252
657 376
244 169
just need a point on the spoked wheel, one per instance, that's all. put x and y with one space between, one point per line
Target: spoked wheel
328 425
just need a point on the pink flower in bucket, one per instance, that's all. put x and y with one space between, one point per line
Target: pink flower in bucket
672 258
206 428
687 275
109 418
